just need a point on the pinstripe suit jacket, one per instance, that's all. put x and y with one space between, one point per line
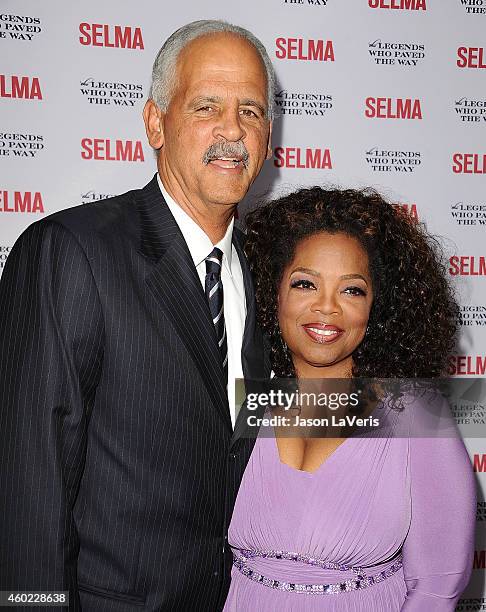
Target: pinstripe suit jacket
118 464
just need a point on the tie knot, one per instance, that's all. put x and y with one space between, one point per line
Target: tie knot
213 261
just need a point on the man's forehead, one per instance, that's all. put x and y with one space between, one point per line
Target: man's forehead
221 58
223 87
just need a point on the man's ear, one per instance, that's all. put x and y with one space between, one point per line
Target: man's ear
152 117
269 145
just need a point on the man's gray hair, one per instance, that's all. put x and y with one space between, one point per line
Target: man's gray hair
164 71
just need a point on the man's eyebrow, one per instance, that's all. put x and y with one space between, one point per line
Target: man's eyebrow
205 100
251 102
217 100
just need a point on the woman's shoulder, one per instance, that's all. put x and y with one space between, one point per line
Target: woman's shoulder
424 410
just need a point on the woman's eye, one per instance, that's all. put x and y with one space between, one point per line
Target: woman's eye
355 291
302 283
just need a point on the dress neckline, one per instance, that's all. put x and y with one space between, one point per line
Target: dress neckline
381 404
307 472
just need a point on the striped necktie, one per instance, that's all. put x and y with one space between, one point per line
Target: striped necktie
214 294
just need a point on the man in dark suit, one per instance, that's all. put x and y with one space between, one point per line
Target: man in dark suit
122 328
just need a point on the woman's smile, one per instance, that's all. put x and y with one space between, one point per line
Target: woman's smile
322 333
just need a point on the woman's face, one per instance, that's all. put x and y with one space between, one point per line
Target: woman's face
324 303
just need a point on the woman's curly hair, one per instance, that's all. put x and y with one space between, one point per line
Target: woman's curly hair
413 319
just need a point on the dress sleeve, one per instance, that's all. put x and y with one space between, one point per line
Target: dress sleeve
438 550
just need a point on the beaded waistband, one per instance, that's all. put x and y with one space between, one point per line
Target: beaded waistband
361 581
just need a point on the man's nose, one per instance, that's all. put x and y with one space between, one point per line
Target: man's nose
229 126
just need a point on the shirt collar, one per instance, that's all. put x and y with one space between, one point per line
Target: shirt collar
198 242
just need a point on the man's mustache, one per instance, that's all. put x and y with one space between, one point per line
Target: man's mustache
231 150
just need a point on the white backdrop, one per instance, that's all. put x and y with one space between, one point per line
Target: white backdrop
389 93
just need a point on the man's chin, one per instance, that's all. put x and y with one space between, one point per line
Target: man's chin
226 200
227 194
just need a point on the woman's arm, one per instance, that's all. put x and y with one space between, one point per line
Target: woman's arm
438 550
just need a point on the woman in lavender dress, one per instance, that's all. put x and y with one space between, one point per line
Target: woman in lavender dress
347 287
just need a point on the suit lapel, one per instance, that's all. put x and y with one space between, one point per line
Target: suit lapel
251 351
175 284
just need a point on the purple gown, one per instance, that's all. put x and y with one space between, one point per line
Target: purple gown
372 498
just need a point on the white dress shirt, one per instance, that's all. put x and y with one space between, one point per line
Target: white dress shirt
234 302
